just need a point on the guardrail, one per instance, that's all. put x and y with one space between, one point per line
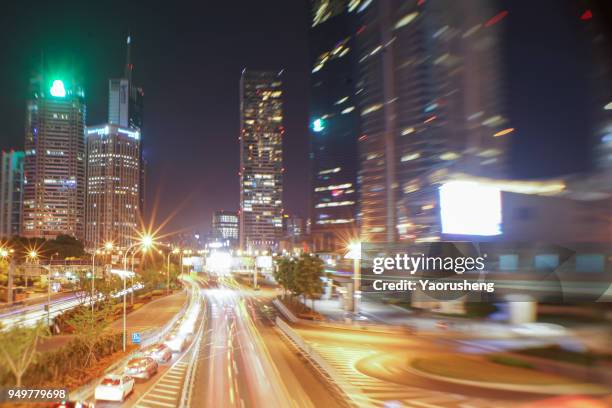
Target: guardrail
346 388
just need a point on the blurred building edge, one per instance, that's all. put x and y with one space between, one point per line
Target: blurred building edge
334 125
595 22
11 193
399 88
432 99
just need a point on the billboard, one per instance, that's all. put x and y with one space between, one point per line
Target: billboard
470 208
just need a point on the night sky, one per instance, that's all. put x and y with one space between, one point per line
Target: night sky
188 58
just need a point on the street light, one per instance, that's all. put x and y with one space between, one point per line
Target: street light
354 253
146 241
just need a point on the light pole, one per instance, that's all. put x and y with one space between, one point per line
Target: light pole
146 241
174 251
354 253
49 290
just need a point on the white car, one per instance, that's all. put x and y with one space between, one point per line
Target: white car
114 388
176 342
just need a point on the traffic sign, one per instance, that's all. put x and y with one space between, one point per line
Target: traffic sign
136 338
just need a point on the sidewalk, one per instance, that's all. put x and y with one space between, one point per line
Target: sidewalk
150 316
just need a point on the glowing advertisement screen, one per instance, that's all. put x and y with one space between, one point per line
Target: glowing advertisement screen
470 208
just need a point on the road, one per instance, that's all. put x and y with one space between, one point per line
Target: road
244 362
236 358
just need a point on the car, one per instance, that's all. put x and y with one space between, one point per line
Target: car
158 352
141 367
176 342
73 404
114 387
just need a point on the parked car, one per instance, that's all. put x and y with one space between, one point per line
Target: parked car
114 388
158 352
141 367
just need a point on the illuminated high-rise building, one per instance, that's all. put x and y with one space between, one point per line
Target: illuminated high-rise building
125 109
225 226
261 159
430 101
334 126
11 193
113 180
54 165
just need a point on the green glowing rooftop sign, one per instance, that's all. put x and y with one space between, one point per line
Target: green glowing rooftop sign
57 89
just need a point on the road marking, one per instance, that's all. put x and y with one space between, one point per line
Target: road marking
163 404
151 394
171 375
159 384
165 391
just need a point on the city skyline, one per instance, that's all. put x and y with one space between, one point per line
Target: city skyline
164 165
306 203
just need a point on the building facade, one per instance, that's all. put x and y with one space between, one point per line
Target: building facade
430 101
125 109
54 165
113 182
261 159
335 126
225 226
11 193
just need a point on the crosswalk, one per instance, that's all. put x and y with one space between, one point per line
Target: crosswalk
378 393
166 392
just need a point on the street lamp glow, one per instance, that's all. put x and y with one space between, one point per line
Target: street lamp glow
354 250
33 254
147 241
176 251
108 246
4 253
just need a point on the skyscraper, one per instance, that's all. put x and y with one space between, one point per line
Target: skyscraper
335 126
113 180
430 102
261 159
11 193
125 109
54 165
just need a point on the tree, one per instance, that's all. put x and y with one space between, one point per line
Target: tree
309 271
89 324
18 347
282 273
65 246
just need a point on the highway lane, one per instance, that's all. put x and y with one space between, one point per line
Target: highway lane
164 389
243 361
